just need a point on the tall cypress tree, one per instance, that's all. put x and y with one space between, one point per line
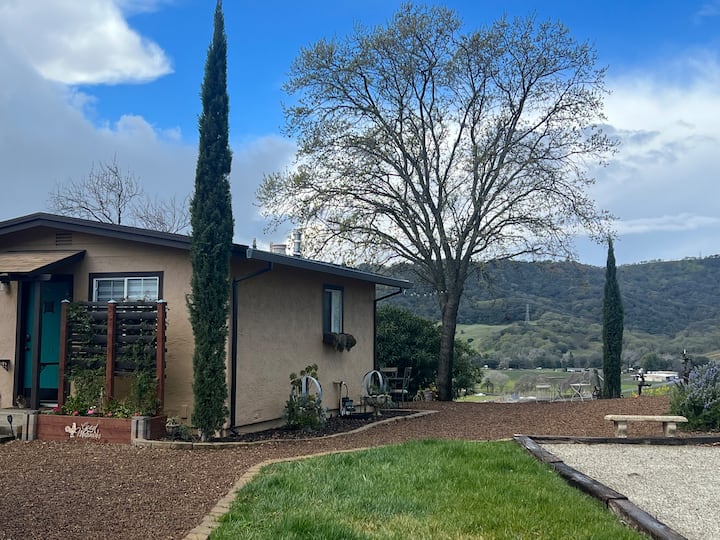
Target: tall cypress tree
613 323
211 241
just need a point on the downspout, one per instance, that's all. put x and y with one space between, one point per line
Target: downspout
400 290
233 341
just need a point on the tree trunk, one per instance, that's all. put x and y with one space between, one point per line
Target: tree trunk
447 346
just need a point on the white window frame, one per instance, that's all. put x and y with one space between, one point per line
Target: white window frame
126 282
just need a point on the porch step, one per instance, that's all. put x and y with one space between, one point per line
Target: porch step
5 434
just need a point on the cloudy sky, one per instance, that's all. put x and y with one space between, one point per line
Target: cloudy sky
83 83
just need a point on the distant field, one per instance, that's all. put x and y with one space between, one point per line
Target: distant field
537 376
476 331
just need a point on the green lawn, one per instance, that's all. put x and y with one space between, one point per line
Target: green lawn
421 489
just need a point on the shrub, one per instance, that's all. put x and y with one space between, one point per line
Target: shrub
699 400
88 395
304 410
143 393
117 409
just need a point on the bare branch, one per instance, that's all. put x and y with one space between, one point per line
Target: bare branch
104 195
109 195
169 215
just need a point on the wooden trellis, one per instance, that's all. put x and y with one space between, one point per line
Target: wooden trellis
111 329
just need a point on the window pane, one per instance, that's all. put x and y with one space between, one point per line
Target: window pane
332 310
145 288
109 289
336 322
327 303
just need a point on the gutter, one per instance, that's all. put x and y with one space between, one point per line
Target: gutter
233 341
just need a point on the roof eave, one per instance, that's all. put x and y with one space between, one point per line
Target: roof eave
318 266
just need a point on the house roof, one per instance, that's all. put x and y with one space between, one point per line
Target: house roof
28 263
179 241
110 230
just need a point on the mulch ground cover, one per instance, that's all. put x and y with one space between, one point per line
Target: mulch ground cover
75 489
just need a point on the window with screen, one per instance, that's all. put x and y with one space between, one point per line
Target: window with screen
126 288
332 309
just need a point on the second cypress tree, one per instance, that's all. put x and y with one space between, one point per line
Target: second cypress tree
612 329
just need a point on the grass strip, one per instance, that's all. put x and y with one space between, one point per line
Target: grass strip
421 489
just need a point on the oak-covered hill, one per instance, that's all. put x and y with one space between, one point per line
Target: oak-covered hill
669 306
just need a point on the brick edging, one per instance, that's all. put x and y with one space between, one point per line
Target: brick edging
212 520
181 445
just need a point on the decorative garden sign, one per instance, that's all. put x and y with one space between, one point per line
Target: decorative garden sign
83 431
58 427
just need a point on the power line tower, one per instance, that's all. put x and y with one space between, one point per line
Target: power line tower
527 313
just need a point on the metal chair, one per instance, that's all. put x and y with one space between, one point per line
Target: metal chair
399 387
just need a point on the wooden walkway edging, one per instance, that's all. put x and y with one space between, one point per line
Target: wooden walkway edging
618 503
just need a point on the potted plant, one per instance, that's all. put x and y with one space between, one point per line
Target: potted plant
426 394
172 427
377 398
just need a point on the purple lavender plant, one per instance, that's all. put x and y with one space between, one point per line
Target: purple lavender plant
699 400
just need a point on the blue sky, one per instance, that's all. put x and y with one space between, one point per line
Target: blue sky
84 82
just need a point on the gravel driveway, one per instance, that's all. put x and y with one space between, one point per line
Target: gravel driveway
79 490
679 485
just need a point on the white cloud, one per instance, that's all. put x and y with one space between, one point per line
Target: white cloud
662 184
709 9
678 222
667 124
82 42
251 161
47 139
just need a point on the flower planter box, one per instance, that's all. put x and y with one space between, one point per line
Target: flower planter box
54 427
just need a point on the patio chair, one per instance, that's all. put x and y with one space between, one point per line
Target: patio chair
388 373
399 387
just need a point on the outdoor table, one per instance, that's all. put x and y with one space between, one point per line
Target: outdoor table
556 383
579 391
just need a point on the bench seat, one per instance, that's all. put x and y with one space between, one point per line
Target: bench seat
620 421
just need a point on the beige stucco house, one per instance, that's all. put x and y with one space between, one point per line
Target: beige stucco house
281 307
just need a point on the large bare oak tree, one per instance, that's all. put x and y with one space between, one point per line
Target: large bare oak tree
422 142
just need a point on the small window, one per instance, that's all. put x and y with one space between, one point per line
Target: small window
332 309
123 289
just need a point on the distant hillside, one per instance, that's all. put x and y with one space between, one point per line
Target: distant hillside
659 297
668 306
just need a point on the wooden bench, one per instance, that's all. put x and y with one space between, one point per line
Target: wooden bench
620 422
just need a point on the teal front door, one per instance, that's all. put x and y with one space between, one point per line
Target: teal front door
41 336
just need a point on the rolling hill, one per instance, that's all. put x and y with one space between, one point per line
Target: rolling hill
550 313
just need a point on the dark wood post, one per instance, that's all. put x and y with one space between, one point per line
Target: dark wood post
111 348
160 354
62 366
